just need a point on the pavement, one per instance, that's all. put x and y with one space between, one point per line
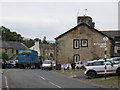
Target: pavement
0 78
112 81
37 78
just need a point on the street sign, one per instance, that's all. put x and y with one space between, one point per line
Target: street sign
105 38
102 46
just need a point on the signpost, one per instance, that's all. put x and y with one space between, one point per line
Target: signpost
105 39
103 45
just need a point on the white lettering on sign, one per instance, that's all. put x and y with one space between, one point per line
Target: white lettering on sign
105 38
101 44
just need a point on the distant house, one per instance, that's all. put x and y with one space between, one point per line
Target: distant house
82 43
12 48
45 51
115 35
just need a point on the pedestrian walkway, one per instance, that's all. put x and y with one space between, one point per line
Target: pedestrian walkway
0 78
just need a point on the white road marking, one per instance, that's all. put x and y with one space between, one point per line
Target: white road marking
55 85
42 78
38 76
6 83
45 79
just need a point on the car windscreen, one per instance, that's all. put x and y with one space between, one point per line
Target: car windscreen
47 62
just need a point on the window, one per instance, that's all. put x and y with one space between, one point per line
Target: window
98 63
118 51
5 50
76 58
76 44
16 51
84 43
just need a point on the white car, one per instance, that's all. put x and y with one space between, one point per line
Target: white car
54 63
12 62
116 60
47 64
97 67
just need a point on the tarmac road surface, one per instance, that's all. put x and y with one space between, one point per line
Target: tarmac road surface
37 78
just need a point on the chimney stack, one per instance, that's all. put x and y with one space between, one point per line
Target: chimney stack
85 19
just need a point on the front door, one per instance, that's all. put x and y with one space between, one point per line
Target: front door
76 58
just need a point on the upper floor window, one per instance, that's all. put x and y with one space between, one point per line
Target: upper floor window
84 43
76 44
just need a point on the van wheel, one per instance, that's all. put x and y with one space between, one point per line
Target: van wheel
91 74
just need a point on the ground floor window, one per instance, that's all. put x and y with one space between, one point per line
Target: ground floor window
118 51
76 58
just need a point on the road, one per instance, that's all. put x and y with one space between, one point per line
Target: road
37 78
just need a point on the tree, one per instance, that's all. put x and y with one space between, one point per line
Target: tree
44 40
29 43
7 35
3 55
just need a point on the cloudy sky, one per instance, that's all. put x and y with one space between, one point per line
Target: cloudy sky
50 19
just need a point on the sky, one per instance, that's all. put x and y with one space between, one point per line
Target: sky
51 19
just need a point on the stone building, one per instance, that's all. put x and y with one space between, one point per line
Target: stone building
11 48
115 35
82 43
45 51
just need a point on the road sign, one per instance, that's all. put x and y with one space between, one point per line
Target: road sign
105 38
103 46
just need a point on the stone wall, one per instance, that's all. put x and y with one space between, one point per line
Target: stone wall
65 51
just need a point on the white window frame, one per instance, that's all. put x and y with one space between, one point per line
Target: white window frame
82 43
76 58
76 44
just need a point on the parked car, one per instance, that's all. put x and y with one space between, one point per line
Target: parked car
116 60
97 67
12 62
47 65
16 66
4 63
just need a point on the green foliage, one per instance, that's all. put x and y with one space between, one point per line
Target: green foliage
29 43
25 53
44 40
3 55
7 35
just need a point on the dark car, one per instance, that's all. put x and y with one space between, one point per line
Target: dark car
4 63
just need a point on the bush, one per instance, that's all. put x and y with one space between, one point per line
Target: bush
3 55
25 53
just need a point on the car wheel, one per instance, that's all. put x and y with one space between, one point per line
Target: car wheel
118 71
91 74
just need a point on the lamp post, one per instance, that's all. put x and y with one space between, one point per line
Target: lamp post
105 50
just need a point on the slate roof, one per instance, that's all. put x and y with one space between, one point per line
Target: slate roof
112 33
83 24
47 46
14 45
